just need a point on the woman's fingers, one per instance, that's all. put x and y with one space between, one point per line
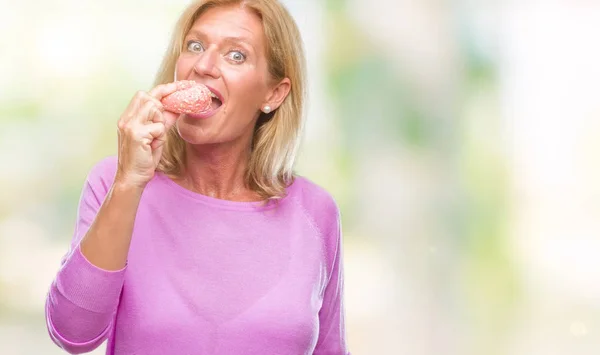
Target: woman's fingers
157 94
141 130
148 113
163 90
153 131
159 141
156 102
139 108
155 115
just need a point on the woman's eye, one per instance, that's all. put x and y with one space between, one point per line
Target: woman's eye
236 56
194 46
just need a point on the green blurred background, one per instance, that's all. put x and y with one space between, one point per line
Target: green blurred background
460 139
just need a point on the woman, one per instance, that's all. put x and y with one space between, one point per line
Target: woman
197 238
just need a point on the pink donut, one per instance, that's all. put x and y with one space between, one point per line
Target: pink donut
190 97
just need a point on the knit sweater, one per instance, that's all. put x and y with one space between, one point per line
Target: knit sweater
206 276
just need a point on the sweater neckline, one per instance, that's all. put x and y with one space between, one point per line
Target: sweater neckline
220 203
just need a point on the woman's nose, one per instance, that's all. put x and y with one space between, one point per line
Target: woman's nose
207 63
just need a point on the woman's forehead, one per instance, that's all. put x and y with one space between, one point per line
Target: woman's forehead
232 22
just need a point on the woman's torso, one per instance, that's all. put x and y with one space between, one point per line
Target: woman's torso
208 276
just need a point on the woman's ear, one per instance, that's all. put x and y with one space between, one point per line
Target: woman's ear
277 94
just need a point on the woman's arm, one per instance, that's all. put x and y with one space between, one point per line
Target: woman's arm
83 298
332 327
106 244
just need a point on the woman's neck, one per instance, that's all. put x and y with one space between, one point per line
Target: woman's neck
218 170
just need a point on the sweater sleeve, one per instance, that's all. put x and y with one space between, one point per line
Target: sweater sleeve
82 300
332 327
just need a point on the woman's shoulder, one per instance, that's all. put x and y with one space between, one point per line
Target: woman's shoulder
315 201
309 192
102 172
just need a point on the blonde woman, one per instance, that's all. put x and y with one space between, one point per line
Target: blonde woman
198 238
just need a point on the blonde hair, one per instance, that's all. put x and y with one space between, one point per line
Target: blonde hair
277 135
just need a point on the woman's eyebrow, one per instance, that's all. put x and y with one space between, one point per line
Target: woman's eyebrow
195 33
229 39
239 40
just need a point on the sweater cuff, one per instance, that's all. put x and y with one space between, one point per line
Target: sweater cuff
68 345
89 286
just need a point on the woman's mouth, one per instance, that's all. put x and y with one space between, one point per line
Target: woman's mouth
216 101
215 105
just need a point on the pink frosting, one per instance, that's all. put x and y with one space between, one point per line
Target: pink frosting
191 97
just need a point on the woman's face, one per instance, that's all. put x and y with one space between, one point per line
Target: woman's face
225 50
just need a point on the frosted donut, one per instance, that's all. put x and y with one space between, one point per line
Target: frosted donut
190 97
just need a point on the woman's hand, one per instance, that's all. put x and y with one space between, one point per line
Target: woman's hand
142 131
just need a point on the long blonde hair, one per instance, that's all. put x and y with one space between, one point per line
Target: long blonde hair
277 135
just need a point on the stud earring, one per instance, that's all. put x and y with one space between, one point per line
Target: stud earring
267 109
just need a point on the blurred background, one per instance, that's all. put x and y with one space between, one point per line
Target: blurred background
460 139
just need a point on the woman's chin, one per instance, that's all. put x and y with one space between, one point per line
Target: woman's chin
193 134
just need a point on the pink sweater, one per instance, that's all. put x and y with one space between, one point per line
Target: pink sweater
206 276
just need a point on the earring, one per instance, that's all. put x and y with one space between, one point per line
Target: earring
267 109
